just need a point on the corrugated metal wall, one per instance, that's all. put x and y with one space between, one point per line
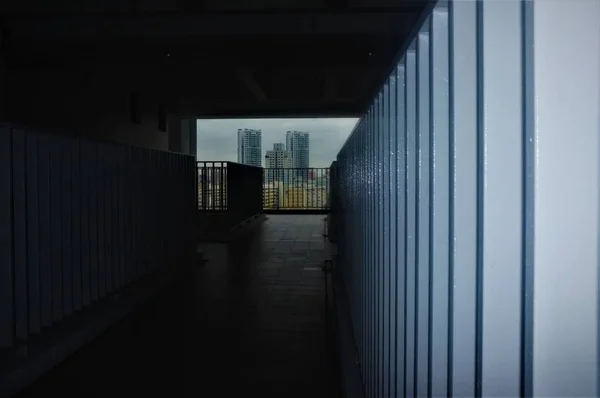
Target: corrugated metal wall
80 220
467 206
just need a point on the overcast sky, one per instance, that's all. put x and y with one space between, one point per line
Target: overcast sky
217 139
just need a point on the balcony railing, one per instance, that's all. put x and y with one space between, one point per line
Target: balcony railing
296 189
229 194
283 190
212 186
80 221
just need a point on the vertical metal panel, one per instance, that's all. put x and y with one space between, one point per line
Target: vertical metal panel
33 232
376 238
361 188
109 219
373 241
393 289
440 216
401 230
65 217
411 207
85 181
127 214
134 181
76 198
55 225
386 288
117 221
563 137
101 242
118 218
6 261
93 219
463 255
371 261
149 192
501 195
423 201
139 198
45 229
379 247
146 209
19 234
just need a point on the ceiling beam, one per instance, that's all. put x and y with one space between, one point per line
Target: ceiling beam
191 107
249 81
42 8
94 27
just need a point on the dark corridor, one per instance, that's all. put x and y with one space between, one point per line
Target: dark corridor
253 319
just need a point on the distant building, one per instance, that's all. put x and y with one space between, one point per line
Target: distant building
297 143
276 160
250 147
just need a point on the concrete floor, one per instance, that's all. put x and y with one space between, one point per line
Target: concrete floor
252 320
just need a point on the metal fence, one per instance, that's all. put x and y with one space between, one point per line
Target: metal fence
291 189
212 186
467 207
80 220
228 194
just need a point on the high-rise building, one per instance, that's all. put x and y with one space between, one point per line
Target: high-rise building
276 160
250 147
298 144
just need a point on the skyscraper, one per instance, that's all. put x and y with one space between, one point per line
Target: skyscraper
297 143
278 159
250 147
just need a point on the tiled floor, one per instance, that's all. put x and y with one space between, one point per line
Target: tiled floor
252 321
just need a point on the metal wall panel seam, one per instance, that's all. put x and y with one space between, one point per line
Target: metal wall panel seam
380 241
85 161
66 237
101 183
55 224
385 240
43 169
109 260
76 224
33 233
400 243
93 220
372 215
392 168
7 328
411 162
480 163
19 235
529 160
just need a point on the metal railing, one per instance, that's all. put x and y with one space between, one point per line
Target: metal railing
81 220
212 186
291 189
229 188
466 206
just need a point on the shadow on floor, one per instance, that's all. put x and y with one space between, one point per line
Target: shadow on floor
253 319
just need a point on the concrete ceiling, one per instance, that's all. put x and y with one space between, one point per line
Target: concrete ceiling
224 58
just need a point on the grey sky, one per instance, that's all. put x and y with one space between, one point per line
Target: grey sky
217 139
